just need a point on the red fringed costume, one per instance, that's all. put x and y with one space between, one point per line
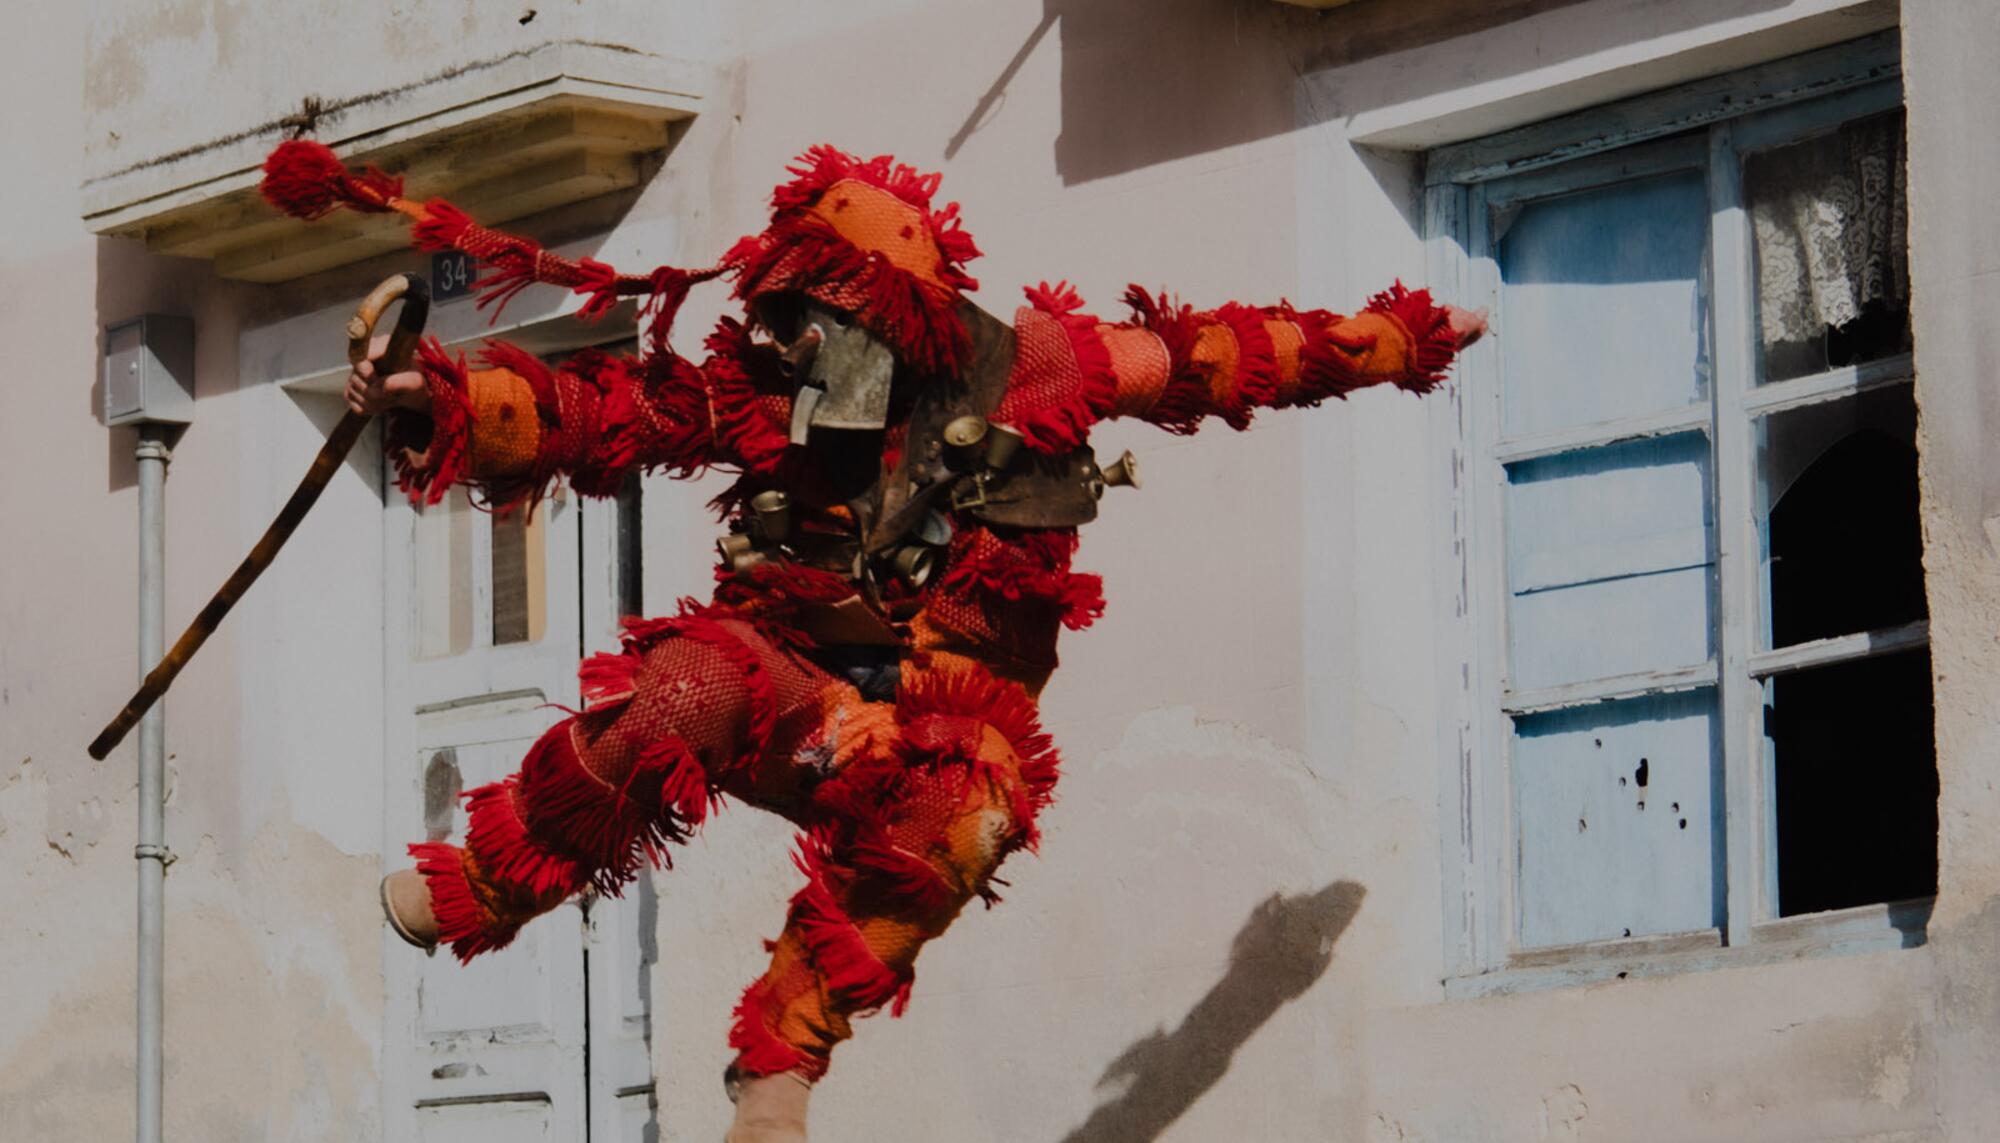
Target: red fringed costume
869 663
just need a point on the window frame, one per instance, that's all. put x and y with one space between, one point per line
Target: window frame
1705 126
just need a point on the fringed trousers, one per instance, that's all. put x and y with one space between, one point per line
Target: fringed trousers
905 811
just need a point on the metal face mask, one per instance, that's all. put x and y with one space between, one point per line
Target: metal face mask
844 373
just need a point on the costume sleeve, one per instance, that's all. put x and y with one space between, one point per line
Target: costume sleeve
1175 366
509 425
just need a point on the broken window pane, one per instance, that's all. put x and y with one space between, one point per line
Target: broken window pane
1856 783
1844 549
1832 243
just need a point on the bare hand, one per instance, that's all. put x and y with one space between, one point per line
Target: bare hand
1467 326
369 394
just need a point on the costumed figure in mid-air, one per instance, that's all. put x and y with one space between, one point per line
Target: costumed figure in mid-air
911 475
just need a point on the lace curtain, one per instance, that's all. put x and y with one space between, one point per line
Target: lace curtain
1831 230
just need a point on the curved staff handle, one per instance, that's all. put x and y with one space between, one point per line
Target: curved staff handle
416 298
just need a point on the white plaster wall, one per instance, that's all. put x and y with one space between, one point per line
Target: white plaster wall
1249 731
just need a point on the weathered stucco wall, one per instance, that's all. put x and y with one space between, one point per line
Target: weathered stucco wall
1233 930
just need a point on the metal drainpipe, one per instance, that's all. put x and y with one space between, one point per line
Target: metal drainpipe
153 452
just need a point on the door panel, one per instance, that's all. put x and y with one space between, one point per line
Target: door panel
484 616
549 1038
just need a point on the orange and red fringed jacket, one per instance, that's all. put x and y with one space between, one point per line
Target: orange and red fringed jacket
862 236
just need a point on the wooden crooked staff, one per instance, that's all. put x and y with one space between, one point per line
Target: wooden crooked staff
416 299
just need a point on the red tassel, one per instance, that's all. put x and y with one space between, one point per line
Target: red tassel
306 180
919 320
431 453
462 922
897 873
1058 423
1003 705
1256 381
608 679
759 1052
672 401
1030 566
1185 401
1430 328
847 967
497 833
744 421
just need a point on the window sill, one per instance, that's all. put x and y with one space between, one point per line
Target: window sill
1840 932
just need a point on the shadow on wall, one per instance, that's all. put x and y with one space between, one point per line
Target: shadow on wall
1283 948
1149 81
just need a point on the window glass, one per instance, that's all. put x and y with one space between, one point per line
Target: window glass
519 605
1608 561
1830 224
1620 823
1601 305
441 570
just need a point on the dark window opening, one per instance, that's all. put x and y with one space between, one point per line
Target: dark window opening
1846 548
1857 783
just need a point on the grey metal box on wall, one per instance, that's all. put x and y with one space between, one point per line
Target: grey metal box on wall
149 370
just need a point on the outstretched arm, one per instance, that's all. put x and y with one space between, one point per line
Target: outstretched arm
1176 366
510 424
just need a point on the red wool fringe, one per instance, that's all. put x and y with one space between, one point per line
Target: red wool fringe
1314 385
899 874
914 317
847 967
463 922
1031 566
431 453
742 423
306 180
1429 325
1256 382
1063 425
1003 705
759 1052
1328 365
799 251
763 696
508 851
673 401
599 468
608 679
1185 400
823 166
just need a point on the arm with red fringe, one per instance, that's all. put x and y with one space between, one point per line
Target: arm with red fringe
1175 366
510 424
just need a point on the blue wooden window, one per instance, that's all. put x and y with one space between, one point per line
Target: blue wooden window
1695 716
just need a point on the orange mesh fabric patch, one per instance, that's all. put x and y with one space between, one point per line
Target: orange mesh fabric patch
506 430
1215 349
1286 341
1140 362
877 221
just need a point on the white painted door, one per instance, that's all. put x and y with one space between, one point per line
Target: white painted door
548 1038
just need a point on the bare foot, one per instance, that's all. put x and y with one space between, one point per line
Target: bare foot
406 901
771 1109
